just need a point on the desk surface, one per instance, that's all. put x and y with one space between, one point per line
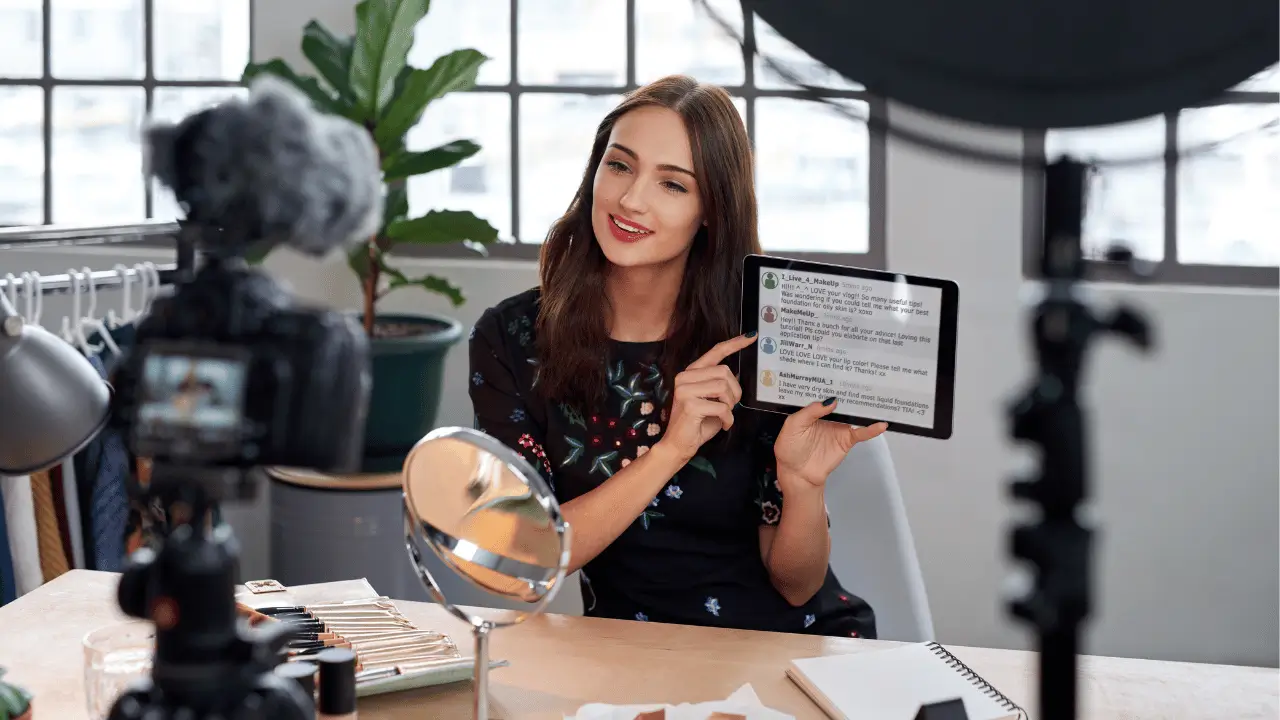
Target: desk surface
560 662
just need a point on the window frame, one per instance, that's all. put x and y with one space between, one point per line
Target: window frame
47 83
874 257
1169 271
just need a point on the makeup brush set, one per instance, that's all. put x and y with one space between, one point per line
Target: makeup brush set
391 652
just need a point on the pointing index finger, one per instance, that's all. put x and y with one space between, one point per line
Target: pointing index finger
722 350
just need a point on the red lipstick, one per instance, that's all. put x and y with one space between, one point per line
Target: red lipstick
626 230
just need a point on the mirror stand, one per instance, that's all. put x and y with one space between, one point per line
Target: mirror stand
490 518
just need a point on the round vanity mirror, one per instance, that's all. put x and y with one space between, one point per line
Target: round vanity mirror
492 519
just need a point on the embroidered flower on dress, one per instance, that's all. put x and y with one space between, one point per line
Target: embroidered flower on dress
517 415
713 606
653 429
477 379
770 512
674 492
646 407
641 450
626 462
809 620
642 617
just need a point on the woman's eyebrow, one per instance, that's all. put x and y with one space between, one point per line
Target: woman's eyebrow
664 166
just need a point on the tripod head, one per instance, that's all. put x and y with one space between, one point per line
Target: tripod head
1048 415
207 662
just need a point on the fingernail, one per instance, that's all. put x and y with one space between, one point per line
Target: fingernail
751 334
829 401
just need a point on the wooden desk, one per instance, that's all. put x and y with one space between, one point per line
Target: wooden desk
561 662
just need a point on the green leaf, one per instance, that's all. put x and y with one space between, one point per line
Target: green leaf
443 227
701 463
320 97
384 34
408 164
452 72
431 283
331 56
396 203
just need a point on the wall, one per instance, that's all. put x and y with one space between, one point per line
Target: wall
1184 440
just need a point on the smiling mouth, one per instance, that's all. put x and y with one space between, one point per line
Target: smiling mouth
629 228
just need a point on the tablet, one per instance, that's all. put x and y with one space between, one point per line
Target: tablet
883 343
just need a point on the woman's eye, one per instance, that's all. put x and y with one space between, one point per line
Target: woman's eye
674 187
617 166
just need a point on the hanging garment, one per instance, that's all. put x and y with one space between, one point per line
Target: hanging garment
60 510
71 497
53 562
20 522
8 586
101 471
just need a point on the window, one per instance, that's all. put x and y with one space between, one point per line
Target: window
1204 210
77 80
820 174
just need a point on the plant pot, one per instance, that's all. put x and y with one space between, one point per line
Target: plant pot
407 355
15 702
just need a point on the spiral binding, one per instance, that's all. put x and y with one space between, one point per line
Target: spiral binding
977 680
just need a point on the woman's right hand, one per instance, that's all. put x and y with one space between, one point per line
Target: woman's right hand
704 398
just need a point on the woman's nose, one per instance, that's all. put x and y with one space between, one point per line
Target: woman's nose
633 199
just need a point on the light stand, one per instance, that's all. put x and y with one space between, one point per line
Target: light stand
1048 414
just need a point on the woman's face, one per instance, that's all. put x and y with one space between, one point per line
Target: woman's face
646 206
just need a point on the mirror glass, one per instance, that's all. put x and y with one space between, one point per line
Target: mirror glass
485 513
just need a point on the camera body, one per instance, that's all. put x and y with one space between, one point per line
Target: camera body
229 371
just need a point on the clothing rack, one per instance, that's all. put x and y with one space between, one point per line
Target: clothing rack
40 236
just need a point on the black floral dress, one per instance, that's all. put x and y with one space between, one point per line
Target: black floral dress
693 557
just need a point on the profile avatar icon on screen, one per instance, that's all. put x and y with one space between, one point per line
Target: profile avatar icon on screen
768 345
768 314
770 281
766 378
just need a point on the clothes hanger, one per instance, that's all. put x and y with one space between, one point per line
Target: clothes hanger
34 297
68 333
11 291
94 322
150 278
115 322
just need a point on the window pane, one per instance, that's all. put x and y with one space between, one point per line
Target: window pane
21 38
201 39
97 157
678 37
483 25
794 60
1266 81
1229 197
21 156
741 104
812 176
1126 203
482 182
172 104
573 42
556 132
98 40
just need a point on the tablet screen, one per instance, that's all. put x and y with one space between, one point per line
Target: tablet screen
878 344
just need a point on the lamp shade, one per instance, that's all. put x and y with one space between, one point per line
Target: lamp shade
53 402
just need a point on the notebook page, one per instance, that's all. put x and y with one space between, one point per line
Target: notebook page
892 684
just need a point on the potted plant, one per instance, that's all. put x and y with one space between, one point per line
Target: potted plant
366 78
15 703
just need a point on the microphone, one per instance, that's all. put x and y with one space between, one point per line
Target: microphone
270 169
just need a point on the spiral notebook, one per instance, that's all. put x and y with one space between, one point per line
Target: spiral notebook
893 684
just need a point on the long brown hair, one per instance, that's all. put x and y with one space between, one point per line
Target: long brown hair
572 328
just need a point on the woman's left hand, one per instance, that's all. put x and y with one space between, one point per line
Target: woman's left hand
808 448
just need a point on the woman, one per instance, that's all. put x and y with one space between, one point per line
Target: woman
611 377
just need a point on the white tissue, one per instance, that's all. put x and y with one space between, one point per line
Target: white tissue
743 701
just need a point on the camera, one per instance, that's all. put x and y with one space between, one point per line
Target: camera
230 372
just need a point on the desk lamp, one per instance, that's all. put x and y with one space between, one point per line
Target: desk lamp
52 400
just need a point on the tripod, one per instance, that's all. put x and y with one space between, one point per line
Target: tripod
206 663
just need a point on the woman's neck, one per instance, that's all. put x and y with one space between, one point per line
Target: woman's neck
643 300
